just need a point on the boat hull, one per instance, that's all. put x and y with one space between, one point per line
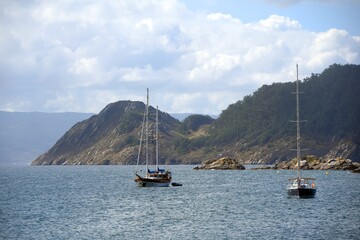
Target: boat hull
152 182
302 192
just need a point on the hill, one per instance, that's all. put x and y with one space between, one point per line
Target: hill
257 128
25 135
254 130
110 137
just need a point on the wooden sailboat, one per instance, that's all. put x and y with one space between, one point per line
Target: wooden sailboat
300 187
156 177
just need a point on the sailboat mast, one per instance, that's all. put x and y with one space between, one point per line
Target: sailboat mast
298 139
147 131
157 137
141 138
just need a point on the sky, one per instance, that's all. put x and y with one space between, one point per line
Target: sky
194 56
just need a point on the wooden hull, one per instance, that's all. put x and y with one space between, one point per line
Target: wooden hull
152 182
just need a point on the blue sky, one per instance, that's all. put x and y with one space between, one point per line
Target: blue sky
195 56
314 15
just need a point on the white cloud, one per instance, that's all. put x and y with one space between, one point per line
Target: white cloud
91 99
16 105
280 22
221 16
137 74
62 102
80 55
212 67
84 66
332 46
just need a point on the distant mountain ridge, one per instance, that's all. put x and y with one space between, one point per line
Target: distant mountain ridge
254 130
25 135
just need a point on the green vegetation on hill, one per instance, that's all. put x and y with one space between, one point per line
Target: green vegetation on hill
257 118
256 129
330 104
195 121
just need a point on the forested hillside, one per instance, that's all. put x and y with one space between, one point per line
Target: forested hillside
330 104
256 129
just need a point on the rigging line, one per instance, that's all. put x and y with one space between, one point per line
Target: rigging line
141 139
147 131
298 137
157 138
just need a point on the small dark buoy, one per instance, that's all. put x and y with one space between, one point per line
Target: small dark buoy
174 184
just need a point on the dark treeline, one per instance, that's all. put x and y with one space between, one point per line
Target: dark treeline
330 103
194 122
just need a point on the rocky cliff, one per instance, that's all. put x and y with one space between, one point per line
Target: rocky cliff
110 137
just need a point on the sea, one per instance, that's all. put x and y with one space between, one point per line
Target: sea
103 202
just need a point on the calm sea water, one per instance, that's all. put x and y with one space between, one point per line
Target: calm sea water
103 202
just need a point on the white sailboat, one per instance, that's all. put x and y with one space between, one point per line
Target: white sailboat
156 177
300 187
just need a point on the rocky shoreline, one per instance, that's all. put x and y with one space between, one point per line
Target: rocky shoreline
307 163
312 163
225 163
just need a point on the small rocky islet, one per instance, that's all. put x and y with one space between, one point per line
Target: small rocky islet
307 163
224 163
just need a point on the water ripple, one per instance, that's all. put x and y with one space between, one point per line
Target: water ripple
103 202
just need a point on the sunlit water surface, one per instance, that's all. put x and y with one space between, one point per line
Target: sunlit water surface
103 202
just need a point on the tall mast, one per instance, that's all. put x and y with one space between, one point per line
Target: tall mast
141 138
298 139
157 137
147 131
